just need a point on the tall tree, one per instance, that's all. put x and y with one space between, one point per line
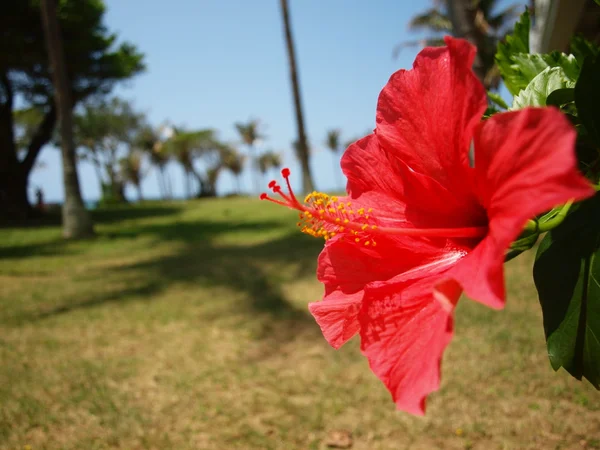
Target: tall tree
249 132
94 63
105 132
234 162
268 160
302 148
132 170
478 21
149 141
333 143
186 147
76 220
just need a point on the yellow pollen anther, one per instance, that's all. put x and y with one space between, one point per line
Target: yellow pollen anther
326 216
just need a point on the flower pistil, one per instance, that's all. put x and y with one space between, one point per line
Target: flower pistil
322 215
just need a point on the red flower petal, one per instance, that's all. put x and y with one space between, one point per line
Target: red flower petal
367 168
525 165
337 315
402 197
426 116
346 268
405 327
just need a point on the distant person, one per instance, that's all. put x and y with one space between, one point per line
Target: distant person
39 195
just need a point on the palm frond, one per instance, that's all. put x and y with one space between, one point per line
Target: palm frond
505 18
426 42
431 20
333 140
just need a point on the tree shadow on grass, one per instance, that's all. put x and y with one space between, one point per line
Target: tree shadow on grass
47 248
59 246
129 212
102 215
200 262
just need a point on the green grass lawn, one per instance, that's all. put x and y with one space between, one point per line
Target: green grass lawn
185 326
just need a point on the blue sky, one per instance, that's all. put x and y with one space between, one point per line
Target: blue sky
212 63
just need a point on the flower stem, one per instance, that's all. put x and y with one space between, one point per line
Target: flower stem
556 220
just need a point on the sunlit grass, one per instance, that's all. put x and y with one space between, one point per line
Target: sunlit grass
185 326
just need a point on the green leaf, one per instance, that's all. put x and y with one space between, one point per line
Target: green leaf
497 99
538 90
523 243
567 276
530 65
489 112
561 97
581 48
517 43
587 98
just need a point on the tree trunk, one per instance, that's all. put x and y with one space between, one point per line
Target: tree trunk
139 190
117 187
168 185
76 219
307 182
336 172
98 170
161 183
462 15
14 174
205 188
187 184
14 203
254 168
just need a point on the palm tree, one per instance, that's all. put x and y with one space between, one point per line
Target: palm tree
76 220
234 162
269 160
186 146
102 130
212 175
302 147
181 147
149 141
333 143
475 20
131 171
249 132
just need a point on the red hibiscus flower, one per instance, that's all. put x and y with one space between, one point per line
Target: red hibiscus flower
423 222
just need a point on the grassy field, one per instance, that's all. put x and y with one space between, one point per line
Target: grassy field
184 326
